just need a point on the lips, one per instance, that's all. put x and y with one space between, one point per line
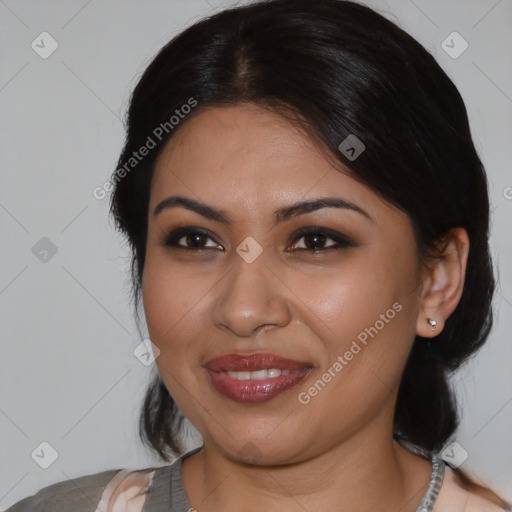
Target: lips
255 378
253 362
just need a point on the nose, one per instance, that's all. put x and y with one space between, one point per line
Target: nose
250 298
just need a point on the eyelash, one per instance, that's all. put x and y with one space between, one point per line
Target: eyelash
341 241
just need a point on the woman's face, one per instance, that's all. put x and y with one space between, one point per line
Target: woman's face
346 314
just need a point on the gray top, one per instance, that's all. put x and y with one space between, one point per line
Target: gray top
80 494
166 492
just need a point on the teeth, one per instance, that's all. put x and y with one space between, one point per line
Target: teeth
258 374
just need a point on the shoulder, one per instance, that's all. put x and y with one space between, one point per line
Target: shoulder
454 498
82 494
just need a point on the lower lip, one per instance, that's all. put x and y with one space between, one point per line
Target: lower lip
255 391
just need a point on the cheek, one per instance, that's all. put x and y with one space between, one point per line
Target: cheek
364 313
343 300
169 294
173 307
171 297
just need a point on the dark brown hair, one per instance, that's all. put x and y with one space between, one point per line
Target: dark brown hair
338 68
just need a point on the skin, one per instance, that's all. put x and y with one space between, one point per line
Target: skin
337 451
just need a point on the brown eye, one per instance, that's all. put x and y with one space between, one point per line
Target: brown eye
194 239
315 240
189 239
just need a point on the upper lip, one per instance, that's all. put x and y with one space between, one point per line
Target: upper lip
253 362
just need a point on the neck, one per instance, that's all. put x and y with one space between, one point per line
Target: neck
368 471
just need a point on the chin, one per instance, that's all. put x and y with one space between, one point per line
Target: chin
263 451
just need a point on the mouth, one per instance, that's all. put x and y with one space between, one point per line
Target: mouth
255 378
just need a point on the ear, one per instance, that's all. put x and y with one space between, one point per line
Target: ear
443 283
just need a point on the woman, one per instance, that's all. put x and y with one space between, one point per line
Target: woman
309 225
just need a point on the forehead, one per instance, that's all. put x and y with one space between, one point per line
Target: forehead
241 139
252 158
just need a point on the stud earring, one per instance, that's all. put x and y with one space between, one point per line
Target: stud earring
432 322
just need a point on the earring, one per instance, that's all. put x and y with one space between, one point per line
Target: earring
432 322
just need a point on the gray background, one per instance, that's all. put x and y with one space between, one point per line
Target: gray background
69 376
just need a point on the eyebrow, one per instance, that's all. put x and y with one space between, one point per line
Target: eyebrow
280 215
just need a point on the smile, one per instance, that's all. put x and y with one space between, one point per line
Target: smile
258 374
255 378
